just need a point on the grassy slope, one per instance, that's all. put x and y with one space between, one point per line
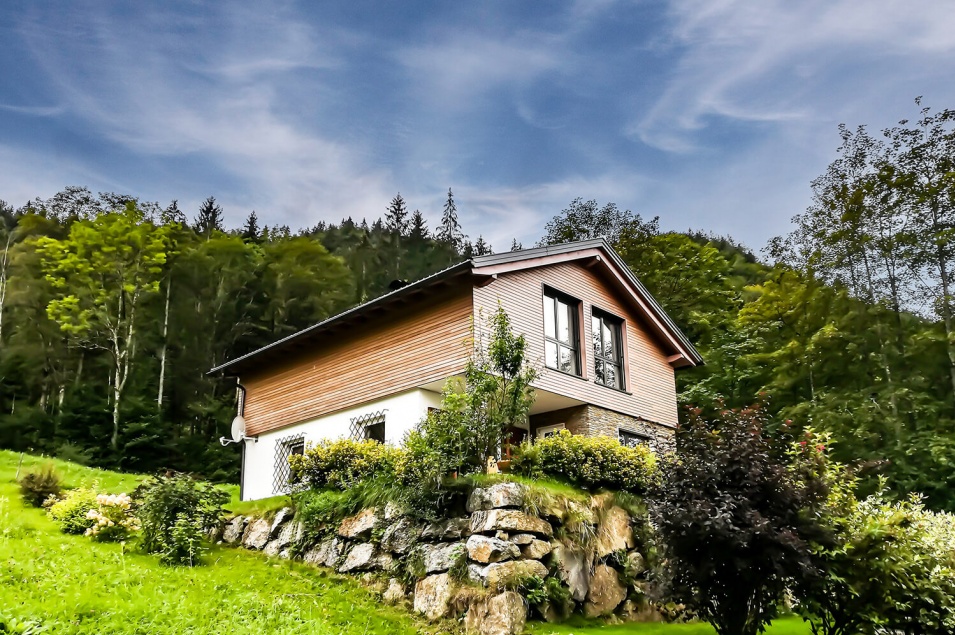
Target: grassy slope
74 585
77 586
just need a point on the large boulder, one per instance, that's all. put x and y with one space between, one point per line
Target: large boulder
234 529
606 593
502 614
401 536
510 520
257 534
536 549
573 568
325 554
395 593
614 532
359 525
286 535
496 497
432 596
441 557
360 558
506 575
486 549
283 516
451 529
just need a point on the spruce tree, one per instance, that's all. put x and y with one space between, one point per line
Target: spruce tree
173 214
250 233
396 216
450 230
419 228
516 246
209 218
482 248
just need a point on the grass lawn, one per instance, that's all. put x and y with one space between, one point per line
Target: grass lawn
73 585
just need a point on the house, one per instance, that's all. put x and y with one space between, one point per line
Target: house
606 350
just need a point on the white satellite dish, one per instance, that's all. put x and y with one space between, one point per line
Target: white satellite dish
238 428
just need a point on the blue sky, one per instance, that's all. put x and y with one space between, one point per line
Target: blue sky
712 114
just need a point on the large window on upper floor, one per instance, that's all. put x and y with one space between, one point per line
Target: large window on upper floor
561 332
607 333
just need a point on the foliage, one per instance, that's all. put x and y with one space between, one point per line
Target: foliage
342 463
544 593
112 518
71 512
733 523
592 463
14 626
173 510
39 485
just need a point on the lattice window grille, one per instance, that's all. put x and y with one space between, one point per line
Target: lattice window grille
356 431
284 448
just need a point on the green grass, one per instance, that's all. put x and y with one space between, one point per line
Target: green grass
75 586
786 626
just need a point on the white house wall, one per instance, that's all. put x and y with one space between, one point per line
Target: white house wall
402 412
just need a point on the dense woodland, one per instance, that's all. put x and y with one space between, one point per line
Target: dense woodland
112 310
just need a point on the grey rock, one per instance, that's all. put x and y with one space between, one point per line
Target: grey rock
636 563
360 558
536 549
257 534
385 562
505 575
606 593
477 573
509 520
395 593
497 496
522 539
401 536
614 532
392 511
441 557
573 568
282 517
325 554
359 525
502 614
286 535
486 549
451 529
432 596
234 529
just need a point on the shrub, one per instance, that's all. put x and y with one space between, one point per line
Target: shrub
112 518
591 463
735 523
342 463
71 511
37 486
172 510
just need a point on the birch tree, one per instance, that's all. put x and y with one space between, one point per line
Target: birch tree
101 272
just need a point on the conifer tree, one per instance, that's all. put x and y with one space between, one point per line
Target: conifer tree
396 216
482 248
250 233
209 218
419 228
450 231
173 214
516 246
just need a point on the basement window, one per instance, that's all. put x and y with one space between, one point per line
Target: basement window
284 449
369 427
631 439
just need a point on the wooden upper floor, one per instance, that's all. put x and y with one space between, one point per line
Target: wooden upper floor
591 328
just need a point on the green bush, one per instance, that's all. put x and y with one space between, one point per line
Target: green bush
173 510
113 520
71 512
591 463
37 486
342 463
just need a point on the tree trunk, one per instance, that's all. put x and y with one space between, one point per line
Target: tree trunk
4 260
165 344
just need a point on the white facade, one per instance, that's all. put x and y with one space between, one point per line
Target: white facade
401 412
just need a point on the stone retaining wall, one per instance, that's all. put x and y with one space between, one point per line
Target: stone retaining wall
472 564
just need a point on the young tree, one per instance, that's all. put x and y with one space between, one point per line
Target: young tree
396 216
419 229
450 230
251 232
482 248
102 272
516 246
172 214
732 524
209 218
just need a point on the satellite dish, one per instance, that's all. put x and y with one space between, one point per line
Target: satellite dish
238 428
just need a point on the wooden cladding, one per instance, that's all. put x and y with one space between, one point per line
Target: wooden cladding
650 379
404 348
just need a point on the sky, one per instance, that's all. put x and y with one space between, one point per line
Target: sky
714 115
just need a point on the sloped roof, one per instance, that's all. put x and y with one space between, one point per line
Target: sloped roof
487 267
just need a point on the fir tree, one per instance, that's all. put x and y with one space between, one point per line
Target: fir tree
419 228
173 214
450 230
516 246
250 233
209 218
396 216
482 248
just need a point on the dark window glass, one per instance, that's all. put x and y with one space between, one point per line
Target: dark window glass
375 431
561 341
297 447
632 438
608 354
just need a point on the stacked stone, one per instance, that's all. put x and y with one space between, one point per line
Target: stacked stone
499 543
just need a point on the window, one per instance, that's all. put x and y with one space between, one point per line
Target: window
608 351
284 448
632 438
561 343
368 427
549 431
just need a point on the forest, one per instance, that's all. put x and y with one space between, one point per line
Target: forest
112 310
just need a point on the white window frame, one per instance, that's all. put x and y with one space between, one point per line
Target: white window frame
547 431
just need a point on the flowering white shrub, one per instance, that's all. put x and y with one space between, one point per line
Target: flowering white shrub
112 518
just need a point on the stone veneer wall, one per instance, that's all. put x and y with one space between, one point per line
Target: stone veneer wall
593 421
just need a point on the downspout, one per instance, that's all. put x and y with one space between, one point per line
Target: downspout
241 412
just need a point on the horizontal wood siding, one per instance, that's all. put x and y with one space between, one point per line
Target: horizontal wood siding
404 349
650 379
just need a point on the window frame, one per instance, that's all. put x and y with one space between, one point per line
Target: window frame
619 361
638 438
285 448
545 431
574 304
